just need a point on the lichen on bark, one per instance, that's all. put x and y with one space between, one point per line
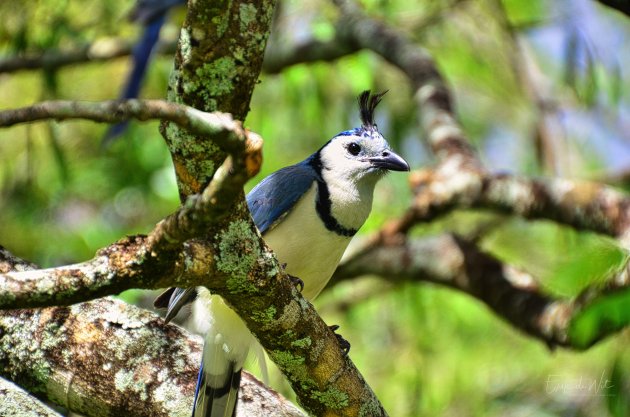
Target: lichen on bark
216 68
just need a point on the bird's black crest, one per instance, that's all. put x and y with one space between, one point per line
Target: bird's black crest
367 104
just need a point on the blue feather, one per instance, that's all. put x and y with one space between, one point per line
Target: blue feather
274 196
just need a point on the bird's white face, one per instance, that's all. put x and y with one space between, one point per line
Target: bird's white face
358 155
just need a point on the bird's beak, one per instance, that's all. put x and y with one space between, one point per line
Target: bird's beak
391 161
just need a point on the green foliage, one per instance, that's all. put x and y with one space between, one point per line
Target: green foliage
427 351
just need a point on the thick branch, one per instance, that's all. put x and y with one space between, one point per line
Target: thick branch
216 68
287 325
123 265
108 358
87 358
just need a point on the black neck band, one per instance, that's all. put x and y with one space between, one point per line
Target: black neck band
323 204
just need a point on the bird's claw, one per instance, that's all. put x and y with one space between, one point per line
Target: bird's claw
343 343
297 282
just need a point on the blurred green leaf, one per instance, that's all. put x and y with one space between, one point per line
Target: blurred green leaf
564 261
603 316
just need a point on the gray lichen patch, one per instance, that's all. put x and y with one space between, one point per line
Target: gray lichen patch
266 317
293 367
27 355
247 14
185 48
331 398
237 251
169 394
187 144
216 78
125 380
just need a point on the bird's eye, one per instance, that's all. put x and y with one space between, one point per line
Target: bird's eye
354 148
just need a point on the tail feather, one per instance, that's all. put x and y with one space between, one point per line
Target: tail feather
217 395
225 348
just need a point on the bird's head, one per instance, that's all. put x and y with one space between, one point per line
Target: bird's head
361 153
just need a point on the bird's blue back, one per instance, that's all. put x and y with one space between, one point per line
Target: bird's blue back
274 196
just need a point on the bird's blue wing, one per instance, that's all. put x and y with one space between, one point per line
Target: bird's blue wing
276 195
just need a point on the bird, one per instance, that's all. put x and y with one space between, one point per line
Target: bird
307 214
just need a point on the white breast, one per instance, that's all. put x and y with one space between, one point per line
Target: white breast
311 252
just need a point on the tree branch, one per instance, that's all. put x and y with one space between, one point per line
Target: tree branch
281 57
224 131
106 357
287 325
459 264
277 57
583 205
95 52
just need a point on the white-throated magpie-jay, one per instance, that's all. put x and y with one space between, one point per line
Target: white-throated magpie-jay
307 214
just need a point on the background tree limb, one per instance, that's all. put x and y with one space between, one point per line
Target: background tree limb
458 263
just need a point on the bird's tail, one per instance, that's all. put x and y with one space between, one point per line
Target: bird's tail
216 395
225 349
